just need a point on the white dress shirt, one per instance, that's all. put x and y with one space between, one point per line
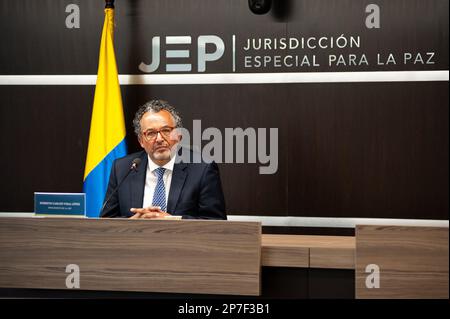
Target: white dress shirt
151 179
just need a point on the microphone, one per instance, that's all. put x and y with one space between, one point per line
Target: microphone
134 164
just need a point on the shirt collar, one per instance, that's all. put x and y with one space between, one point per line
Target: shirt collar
169 165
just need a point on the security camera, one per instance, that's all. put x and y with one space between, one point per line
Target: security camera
259 6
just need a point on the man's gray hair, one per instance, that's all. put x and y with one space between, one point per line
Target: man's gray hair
155 106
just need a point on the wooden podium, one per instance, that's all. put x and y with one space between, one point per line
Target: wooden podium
219 258
182 256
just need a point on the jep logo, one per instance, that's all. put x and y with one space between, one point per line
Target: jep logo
202 55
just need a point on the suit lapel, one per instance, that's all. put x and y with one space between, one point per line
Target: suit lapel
178 178
138 182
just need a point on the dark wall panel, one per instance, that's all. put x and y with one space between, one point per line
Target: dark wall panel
373 150
32 32
345 149
44 132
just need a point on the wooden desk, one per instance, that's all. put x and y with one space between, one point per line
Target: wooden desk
195 256
209 257
412 261
335 252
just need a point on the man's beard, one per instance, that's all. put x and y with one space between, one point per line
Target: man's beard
167 153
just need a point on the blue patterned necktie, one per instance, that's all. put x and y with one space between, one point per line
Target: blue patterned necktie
159 197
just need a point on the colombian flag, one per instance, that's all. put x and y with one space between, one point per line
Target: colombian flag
107 134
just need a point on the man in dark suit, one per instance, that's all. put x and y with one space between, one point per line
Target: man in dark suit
162 184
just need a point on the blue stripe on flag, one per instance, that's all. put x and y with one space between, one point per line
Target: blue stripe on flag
96 183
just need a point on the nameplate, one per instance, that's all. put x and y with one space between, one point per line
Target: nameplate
60 204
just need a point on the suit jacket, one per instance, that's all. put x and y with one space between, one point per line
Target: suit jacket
195 190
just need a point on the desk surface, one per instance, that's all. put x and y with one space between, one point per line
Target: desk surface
339 242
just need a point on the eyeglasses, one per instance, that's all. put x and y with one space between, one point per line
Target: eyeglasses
151 134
